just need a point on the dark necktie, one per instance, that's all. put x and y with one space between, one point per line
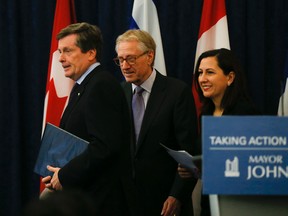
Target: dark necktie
138 108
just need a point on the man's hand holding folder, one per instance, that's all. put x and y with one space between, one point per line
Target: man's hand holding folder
57 148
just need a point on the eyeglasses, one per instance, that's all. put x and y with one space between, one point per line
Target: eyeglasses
131 60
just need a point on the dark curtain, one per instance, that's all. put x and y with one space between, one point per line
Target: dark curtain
25 31
258 35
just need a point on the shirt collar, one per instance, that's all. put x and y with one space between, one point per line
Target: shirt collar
84 75
147 84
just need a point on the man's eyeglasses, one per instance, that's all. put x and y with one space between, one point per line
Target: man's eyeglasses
131 60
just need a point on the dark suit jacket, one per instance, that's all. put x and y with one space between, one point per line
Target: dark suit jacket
170 118
99 115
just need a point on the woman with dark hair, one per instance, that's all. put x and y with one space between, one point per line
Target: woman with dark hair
221 84
221 87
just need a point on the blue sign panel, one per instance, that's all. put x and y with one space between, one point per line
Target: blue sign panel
245 155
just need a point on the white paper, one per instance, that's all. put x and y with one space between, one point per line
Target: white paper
183 158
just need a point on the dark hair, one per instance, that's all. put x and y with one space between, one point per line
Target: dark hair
227 62
89 37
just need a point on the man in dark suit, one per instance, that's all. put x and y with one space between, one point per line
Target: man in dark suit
169 118
97 112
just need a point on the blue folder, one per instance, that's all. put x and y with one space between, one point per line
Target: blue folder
57 148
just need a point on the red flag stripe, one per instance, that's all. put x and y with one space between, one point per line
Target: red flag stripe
64 15
212 12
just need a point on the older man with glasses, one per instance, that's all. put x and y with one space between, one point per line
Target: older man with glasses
163 111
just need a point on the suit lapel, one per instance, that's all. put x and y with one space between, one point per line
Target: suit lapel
71 106
80 90
153 106
127 87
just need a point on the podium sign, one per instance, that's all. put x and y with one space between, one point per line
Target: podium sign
245 155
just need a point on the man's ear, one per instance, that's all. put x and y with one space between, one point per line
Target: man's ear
92 54
150 55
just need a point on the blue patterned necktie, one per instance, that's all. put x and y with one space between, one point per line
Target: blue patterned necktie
138 108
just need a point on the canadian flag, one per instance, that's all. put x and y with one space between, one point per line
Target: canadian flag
58 86
213 33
